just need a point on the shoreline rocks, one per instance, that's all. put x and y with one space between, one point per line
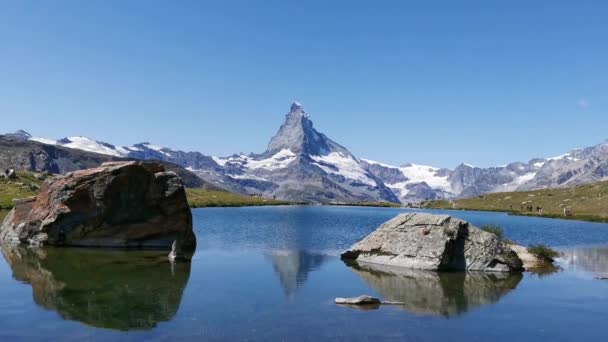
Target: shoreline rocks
437 243
119 204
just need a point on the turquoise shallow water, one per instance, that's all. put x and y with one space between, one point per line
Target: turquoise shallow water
271 273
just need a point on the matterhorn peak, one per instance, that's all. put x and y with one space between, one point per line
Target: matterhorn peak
296 106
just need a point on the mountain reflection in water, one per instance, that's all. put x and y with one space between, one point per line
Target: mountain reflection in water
444 294
293 267
112 289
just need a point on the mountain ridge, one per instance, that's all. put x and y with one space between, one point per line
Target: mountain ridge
303 164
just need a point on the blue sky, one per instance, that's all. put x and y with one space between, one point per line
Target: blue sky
434 82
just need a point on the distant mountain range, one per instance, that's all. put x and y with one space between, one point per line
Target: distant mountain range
302 164
18 152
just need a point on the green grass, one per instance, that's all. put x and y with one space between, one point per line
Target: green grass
543 252
199 198
17 188
497 230
588 202
369 204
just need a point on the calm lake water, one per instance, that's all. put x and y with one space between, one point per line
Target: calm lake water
271 273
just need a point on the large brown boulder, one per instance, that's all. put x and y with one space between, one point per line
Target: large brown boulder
119 204
434 242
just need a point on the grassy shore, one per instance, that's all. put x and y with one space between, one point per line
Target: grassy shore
17 188
586 202
369 204
199 198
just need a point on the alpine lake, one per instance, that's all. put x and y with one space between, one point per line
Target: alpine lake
272 273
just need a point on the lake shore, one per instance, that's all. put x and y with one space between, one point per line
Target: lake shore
583 203
585 218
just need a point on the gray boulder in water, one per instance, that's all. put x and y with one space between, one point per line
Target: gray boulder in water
434 242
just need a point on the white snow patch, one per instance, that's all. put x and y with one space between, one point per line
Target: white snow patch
280 160
428 174
156 148
539 164
44 140
90 145
220 161
515 183
378 163
248 176
567 156
347 166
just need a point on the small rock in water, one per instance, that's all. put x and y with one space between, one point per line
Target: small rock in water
361 300
177 254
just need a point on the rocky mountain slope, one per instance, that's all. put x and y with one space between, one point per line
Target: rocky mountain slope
302 164
413 183
18 152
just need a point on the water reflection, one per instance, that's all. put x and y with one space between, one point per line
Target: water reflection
113 289
590 259
293 267
439 294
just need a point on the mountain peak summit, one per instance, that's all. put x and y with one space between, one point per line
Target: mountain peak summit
298 135
20 134
295 106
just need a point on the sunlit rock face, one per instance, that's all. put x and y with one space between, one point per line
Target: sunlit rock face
109 289
433 293
118 204
434 242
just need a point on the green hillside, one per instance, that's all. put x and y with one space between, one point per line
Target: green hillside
23 186
585 202
199 198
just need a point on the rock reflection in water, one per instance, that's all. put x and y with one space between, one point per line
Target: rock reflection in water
293 267
445 294
111 289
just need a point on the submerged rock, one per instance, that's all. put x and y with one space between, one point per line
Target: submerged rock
119 204
178 253
361 300
434 242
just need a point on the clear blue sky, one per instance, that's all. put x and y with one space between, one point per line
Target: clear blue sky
435 82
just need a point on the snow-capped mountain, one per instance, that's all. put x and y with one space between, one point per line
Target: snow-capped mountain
302 164
413 183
